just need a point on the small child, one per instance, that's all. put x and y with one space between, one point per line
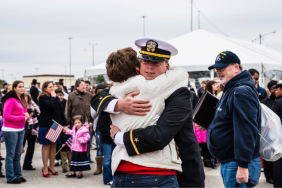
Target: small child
80 137
65 153
32 122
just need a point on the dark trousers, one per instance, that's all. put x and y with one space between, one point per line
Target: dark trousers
268 169
277 173
30 148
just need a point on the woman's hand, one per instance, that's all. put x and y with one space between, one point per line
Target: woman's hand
53 94
65 129
26 116
200 127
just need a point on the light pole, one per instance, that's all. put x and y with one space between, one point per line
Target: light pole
36 72
70 60
191 15
144 24
199 19
2 74
260 36
93 50
65 69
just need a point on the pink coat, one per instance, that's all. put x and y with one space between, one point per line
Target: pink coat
83 134
14 114
201 135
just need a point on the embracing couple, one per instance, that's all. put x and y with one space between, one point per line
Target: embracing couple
151 115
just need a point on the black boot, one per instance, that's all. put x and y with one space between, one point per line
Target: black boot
1 174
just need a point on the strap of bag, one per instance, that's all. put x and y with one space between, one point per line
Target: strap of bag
249 184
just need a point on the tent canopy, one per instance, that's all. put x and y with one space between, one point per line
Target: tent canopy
197 51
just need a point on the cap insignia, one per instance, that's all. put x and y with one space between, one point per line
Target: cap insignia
151 45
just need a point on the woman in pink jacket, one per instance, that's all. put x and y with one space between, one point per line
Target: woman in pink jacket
15 116
80 137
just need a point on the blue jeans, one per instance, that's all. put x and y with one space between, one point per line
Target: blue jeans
13 143
98 144
228 172
89 147
107 170
142 180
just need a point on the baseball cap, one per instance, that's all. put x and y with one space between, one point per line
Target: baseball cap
225 58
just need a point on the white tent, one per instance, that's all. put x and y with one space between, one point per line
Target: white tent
197 51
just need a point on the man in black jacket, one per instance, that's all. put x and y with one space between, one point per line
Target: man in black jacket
174 123
61 82
268 101
277 108
34 91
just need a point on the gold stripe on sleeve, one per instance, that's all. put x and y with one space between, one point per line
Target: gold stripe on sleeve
102 102
131 138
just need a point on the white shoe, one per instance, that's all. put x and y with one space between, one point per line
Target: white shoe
110 183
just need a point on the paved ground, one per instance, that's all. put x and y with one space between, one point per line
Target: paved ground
35 179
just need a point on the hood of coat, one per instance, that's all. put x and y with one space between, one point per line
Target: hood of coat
244 78
9 95
83 129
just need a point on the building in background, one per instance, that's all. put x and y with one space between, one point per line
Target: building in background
48 77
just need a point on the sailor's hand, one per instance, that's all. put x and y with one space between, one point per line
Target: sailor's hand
114 130
130 105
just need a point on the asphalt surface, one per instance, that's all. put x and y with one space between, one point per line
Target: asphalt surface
35 178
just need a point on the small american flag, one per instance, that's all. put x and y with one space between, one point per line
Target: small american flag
54 132
69 142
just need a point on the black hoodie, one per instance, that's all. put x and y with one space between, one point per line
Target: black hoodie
233 133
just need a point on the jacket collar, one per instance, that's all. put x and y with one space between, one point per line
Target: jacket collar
9 95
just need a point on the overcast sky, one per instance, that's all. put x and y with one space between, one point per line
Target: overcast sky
34 34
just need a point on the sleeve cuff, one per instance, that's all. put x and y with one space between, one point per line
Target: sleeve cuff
111 107
119 139
243 164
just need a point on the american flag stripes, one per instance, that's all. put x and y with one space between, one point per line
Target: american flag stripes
69 142
54 132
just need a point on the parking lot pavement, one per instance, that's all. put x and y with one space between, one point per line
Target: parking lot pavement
35 178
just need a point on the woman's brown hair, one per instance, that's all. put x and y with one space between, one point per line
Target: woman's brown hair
44 86
209 87
22 98
28 98
78 117
122 64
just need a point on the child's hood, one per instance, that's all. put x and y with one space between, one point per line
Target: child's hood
84 128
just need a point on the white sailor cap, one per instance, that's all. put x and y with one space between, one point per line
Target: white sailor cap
154 49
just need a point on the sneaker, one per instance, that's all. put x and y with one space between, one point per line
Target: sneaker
34 132
110 183
15 181
22 179
57 163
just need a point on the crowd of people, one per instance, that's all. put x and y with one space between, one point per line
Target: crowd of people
142 123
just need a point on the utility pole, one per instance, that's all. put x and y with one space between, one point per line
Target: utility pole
199 19
191 15
93 50
2 74
144 24
70 60
260 36
36 72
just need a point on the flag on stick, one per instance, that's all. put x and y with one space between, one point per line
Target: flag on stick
69 142
54 132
